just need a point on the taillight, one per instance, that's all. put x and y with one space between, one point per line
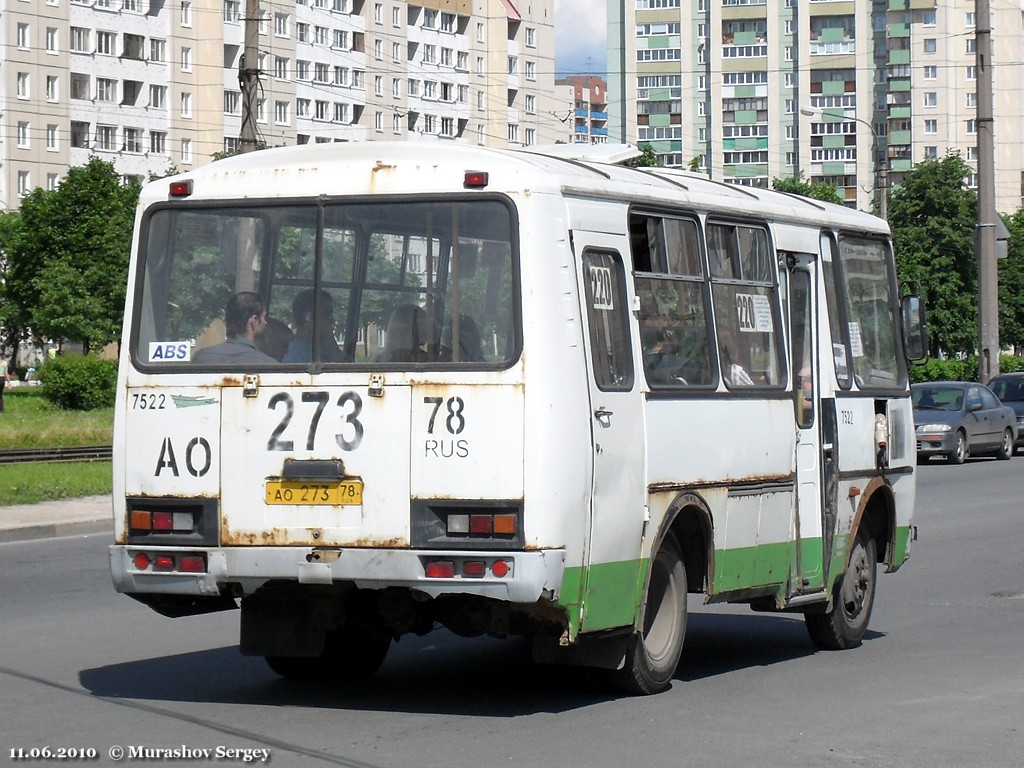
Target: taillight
166 562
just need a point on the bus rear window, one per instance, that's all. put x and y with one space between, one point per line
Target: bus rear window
406 284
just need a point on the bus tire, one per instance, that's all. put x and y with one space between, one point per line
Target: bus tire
653 652
350 654
844 624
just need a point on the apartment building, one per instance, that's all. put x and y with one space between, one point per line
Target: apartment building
843 92
584 110
153 85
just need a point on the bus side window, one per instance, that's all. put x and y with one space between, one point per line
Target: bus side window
607 317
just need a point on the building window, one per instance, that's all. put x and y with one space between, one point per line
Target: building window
378 121
931 153
24 135
80 86
79 40
232 102
972 127
24 183
23 85
157 50
341 112
186 151
281 24
323 110
232 10
280 68
133 140
158 142
929 45
931 72
531 104
52 91
186 59
972 100
106 89
186 105
106 137
22 36
931 99
51 40
79 134
972 72
282 113
928 18
158 96
931 126
186 13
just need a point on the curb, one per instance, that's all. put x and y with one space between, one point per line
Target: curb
54 530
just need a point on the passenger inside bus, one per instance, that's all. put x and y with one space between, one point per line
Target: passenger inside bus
245 317
470 343
300 348
275 338
406 336
735 374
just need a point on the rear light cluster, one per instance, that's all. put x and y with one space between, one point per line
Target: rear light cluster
165 562
162 521
483 524
446 568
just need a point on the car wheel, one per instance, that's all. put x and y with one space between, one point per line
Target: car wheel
959 452
1006 447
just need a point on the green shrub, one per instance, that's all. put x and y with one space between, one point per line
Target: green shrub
79 383
959 370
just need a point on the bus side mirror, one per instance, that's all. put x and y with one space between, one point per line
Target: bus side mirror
915 330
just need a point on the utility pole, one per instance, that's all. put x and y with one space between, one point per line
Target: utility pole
249 75
985 233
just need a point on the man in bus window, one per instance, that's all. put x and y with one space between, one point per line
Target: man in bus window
244 320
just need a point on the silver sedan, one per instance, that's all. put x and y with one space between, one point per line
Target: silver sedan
957 419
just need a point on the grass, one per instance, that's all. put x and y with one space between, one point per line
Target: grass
32 483
29 421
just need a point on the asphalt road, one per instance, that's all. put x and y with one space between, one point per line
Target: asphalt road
938 682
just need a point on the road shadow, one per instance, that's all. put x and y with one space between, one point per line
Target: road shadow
445 674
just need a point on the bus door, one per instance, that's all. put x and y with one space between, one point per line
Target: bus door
617 507
815 447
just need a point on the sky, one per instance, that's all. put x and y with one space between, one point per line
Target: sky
579 36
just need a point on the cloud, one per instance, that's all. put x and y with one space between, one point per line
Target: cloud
580 32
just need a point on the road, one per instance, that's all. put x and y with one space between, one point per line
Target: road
938 682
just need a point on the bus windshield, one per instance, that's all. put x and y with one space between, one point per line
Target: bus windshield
405 284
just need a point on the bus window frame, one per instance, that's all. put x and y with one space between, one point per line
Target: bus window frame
839 273
679 388
140 259
773 286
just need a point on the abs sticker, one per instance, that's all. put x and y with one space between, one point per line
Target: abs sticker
169 351
754 313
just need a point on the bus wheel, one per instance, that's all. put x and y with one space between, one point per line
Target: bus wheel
844 624
350 654
653 653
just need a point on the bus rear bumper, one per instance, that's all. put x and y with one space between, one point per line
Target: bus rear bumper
517 577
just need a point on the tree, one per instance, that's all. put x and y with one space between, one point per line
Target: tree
933 215
648 158
68 266
13 321
1011 285
800 186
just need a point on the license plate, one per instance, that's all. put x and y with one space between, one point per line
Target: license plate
347 492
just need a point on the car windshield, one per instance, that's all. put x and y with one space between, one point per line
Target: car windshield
1008 389
938 398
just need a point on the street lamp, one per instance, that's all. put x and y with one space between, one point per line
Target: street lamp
881 181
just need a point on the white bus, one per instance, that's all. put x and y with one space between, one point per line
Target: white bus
516 393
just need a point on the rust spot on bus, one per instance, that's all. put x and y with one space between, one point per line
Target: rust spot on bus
672 487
